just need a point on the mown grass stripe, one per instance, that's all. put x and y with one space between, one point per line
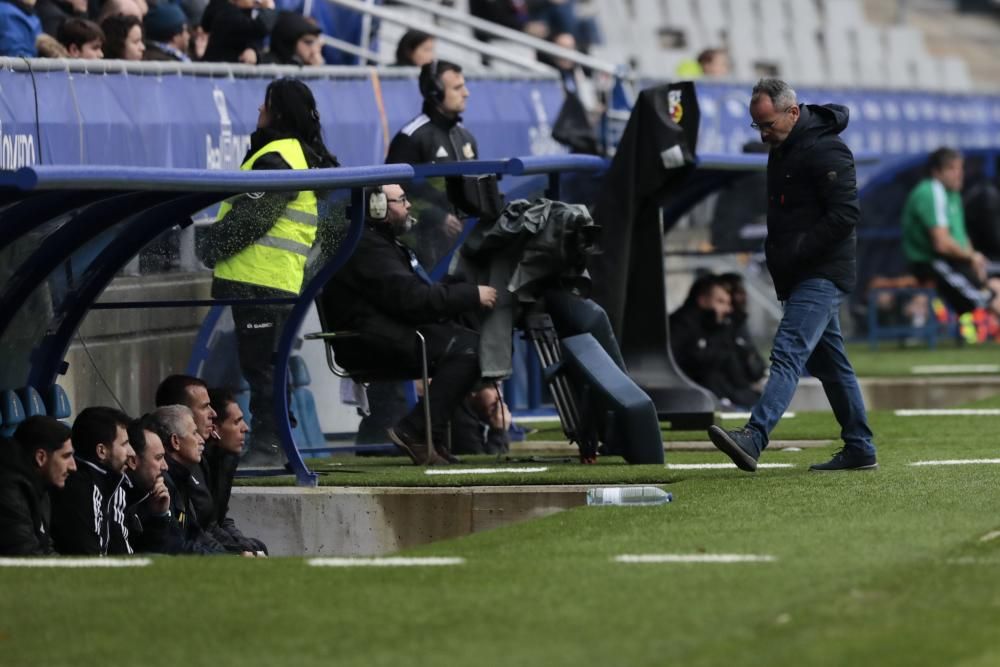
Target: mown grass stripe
479 471
694 558
944 369
956 462
392 561
74 562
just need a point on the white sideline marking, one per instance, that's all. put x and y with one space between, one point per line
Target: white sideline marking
394 561
955 462
74 562
992 535
940 369
694 558
746 415
969 560
480 471
720 466
959 412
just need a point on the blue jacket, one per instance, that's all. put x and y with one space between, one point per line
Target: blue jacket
18 30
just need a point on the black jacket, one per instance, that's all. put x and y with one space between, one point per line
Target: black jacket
431 137
233 30
182 485
813 206
150 531
220 468
24 507
378 293
89 514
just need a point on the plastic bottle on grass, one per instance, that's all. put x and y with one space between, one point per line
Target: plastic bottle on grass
628 495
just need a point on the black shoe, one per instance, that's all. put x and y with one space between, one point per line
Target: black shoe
448 456
737 445
847 458
414 447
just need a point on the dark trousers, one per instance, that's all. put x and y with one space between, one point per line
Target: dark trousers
453 355
257 330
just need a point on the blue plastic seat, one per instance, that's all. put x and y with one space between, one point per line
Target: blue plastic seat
11 411
31 401
308 431
57 402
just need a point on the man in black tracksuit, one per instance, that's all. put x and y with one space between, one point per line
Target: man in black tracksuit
39 458
811 250
383 292
89 514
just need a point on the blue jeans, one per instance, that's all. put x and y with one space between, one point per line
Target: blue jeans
809 338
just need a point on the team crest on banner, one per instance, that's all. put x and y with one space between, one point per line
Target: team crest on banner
468 152
674 106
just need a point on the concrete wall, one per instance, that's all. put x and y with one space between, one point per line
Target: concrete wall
369 521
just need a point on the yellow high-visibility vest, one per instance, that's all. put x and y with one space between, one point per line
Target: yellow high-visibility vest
278 258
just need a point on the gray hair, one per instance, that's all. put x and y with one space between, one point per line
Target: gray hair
169 420
781 94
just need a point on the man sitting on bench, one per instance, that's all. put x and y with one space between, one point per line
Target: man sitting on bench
383 293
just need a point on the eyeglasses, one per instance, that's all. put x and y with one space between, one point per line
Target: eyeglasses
769 124
398 200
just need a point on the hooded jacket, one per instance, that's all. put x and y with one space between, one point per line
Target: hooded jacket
24 507
813 206
89 516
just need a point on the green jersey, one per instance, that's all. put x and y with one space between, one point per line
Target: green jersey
931 205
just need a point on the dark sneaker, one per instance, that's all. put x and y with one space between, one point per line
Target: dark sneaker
847 459
414 447
737 445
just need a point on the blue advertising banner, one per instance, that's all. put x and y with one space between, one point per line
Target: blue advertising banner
185 120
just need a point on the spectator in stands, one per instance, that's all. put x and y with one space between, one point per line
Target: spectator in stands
222 458
121 7
511 14
259 245
82 39
123 38
415 49
935 241
167 34
982 218
191 392
710 64
152 528
574 80
295 41
89 512
550 17
812 214
701 339
237 29
38 459
175 426
19 28
384 293
48 46
53 13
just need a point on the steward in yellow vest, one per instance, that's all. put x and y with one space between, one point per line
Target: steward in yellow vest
259 245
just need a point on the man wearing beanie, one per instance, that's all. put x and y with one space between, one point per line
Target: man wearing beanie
294 41
167 35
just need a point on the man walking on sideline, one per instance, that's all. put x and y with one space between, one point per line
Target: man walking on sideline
811 253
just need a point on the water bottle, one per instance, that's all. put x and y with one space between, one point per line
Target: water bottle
628 495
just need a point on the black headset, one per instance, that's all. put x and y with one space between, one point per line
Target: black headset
430 82
378 204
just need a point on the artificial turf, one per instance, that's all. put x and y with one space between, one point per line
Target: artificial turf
874 568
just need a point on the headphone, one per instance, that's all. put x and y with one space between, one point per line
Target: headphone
378 204
430 82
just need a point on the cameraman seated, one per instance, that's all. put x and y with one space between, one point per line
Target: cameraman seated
384 293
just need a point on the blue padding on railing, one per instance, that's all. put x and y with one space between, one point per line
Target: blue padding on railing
31 401
200 180
57 402
467 168
729 162
298 371
545 164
